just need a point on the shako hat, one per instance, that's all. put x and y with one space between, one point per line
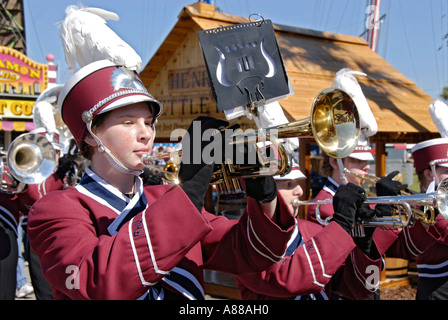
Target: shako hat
362 152
294 174
99 87
426 151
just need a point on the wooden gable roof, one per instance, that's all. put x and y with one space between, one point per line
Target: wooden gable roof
311 58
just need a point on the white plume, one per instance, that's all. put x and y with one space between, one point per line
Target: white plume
43 116
439 114
345 80
87 38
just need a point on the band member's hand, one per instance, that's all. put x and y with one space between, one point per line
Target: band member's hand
194 173
196 186
366 243
64 166
346 201
193 144
386 186
262 189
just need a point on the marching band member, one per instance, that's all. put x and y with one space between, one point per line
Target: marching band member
122 240
315 264
9 219
13 205
389 242
356 162
431 263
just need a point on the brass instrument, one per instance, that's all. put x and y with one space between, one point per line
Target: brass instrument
417 214
437 199
31 158
170 171
8 183
334 123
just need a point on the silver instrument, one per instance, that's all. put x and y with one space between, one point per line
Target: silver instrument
31 158
437 199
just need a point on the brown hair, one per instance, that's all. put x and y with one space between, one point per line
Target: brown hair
422 179
326 169
86 149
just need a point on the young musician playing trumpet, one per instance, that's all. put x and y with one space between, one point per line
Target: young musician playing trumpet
431 166
416 239
134 241
356 162
320 260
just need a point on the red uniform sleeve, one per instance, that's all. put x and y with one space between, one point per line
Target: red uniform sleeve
69 230
34 192
408 242
308 270
255 240
71 242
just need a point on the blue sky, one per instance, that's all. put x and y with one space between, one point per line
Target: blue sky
411 37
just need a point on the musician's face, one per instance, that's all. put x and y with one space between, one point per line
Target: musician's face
442 173
290 191
128 132
357 166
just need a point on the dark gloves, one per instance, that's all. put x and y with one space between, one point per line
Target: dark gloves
365 243
386 186
194 174
262 189
193 145
64 166
151 178
346 201
196 187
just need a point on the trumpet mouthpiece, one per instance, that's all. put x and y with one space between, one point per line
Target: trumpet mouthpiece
147 159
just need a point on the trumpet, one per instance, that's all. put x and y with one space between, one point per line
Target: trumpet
31 158
170 171
334 123
428 218
436 199
8 183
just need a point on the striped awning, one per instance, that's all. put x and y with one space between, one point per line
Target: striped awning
17 125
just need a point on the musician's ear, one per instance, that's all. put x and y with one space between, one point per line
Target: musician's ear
334 163
90 140
427 173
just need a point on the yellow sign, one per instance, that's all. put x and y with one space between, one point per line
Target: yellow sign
16 109
21 81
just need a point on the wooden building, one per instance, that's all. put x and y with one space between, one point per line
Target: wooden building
176 75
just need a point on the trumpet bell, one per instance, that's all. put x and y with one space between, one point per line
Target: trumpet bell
31 158
442 198
171 171
335 122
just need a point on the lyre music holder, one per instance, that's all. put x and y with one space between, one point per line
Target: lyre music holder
244 65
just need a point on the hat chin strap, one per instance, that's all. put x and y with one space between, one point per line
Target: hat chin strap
433 170
114 162
341 171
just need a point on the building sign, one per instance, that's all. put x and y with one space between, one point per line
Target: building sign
21 82
187 80
189 96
